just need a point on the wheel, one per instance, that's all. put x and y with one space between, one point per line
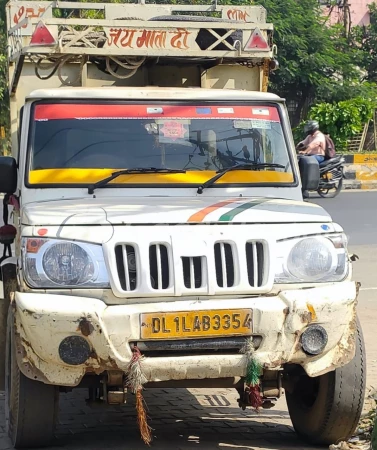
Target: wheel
205 39
331 193
325 410
30 406
9 278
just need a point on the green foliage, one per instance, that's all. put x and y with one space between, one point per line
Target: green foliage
342 120
318 64
315 58
364 39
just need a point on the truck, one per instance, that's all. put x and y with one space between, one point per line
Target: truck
160 234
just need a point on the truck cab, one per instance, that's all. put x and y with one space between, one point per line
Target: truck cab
161 234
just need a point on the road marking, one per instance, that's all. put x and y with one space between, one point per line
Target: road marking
369 289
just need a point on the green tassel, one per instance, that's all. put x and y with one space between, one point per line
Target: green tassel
252 372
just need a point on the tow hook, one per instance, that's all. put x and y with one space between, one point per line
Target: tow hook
112 390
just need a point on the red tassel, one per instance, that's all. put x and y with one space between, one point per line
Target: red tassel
255 397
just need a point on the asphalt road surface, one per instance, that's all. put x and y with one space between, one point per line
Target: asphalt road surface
210 419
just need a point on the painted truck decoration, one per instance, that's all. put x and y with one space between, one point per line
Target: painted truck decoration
160 236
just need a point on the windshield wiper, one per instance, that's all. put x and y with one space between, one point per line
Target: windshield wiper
241 166
101 183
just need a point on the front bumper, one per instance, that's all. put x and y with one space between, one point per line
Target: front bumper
42 321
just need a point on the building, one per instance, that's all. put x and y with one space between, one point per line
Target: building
358 11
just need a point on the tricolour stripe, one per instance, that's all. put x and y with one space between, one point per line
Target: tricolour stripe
230 215
200 215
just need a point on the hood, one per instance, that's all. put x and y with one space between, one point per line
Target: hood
168 210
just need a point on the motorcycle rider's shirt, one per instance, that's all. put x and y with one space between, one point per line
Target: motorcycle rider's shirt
315 144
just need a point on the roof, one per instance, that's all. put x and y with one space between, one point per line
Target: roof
152 93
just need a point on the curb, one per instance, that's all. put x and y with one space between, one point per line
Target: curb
360 171
360 185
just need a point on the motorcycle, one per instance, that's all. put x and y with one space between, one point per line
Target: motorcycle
331 174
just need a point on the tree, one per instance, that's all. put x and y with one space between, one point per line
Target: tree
314 57
364 39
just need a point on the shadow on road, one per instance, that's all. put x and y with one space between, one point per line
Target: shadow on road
181 420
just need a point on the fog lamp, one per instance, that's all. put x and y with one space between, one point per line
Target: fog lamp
74 350
314 340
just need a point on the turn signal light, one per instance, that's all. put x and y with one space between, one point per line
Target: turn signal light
42 36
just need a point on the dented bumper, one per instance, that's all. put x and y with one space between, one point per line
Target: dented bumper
43 321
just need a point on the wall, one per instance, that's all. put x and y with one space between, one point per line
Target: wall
359 12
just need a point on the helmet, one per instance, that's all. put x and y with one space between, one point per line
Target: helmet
311 127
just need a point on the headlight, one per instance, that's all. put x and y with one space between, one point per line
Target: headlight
52 263
312 259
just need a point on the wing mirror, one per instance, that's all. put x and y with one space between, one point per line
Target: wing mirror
309 172
8 175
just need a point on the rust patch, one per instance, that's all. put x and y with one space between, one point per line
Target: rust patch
85 327
28 368
312 311
31 371
273 364
285 313
25 342
305 316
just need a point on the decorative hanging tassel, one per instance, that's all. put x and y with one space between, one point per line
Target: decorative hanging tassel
253 371
142 419
135 380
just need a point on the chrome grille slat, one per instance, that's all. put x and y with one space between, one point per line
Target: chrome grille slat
224 263
127 275
255 263
159 270
126 269
192 271
159 266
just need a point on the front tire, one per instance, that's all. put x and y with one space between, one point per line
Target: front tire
331 193
326 410
9 278
30 406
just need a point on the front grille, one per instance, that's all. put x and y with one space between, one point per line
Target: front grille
192 272
159 266
127 266
224 263
155 269
255 263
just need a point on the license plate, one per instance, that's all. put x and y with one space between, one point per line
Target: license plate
196 324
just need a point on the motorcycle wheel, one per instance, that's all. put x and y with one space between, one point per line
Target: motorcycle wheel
331 193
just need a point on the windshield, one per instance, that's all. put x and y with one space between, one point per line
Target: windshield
81 143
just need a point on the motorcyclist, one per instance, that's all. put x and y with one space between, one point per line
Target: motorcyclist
315 143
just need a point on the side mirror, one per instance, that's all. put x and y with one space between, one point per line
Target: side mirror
8 175
309 172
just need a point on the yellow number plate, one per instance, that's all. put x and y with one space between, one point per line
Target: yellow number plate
196 324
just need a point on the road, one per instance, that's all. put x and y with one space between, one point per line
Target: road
210 419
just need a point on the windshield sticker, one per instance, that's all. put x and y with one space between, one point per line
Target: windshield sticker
253 123
261 112
155 110
261 124
87 111
242 124
203 110
225 110
172 131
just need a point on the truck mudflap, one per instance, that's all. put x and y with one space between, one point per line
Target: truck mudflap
93 337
